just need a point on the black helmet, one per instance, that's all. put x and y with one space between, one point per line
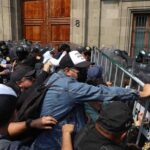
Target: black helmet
142 53
147 58
26 47
80 49
117 52
36 48
2 43
64 47
88 48
148 54
47 46
21 52
141 56
4 50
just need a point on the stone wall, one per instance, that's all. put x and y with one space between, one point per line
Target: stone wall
87 13
110 14
128 9
105 22
78 21
10 20
5 20
93 22
16 19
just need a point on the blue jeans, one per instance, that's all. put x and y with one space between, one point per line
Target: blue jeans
49 143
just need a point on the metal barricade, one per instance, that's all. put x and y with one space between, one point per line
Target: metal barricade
115 73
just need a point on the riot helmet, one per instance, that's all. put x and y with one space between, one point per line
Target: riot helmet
141 56
4 50
64 47
2 43
117 52
21 52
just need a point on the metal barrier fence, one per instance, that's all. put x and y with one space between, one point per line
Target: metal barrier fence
115 73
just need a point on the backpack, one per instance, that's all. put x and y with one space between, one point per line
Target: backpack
32 105
82 133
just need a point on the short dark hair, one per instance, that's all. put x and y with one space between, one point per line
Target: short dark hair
64 47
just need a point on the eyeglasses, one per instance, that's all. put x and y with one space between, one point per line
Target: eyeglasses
74 70
27 78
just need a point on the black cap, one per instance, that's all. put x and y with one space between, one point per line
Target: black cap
21 72
115 117
30 74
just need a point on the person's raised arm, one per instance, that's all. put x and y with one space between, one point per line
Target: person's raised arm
45 122
67 129
146 91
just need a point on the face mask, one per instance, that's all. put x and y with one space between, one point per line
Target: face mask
82 75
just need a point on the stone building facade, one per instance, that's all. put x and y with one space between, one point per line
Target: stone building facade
9 21
101 23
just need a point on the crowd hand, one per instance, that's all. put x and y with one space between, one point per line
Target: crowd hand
3 65
138 122
47 66
48 63
8 59
55 62
108 83
38 57
146 91
45 122
14 65
68 128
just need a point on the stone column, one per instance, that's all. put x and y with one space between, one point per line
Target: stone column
85 22
5 20
16 19
78 21
10 20
110 24
93 21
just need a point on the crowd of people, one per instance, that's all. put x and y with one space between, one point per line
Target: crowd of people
57 100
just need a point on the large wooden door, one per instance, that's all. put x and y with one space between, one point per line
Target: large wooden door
46 21
34 20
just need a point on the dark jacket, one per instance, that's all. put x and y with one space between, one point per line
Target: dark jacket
89 139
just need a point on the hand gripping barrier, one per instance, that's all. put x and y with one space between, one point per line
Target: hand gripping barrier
115 72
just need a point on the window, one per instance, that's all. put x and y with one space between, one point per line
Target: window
140 33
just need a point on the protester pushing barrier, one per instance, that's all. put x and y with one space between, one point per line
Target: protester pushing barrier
119 76
67 88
